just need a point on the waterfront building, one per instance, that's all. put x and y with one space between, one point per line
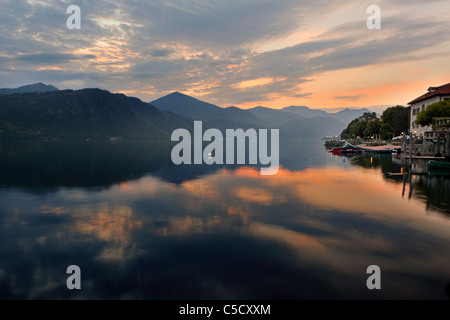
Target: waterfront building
434 94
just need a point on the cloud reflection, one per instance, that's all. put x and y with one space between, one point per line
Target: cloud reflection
112 225
309 233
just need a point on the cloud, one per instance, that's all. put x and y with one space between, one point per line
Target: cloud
211 47
350 98
161 52
53 58
254 83
303 95
216 22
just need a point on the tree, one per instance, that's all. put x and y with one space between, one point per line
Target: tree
436 110
350 131
345 134
368 116
386 131
395 121
397 118
372 128
359 128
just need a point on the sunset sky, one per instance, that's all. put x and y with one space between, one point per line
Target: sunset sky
246 53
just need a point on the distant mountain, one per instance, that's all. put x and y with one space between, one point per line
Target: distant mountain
292 121
299 125
327 126
37 87
185 105
87 113
240 115
306 112
292 124
195 109
347 115
273 116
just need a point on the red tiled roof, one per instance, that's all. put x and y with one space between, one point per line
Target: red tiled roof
434 91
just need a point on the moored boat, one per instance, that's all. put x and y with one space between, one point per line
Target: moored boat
438 165
347 148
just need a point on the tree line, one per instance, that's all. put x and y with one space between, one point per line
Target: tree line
393 122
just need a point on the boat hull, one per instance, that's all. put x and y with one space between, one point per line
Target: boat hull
438 165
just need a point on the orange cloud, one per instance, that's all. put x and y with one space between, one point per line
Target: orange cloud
254 83
111 224
254 195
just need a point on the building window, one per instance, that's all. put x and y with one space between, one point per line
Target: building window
423 107
414 112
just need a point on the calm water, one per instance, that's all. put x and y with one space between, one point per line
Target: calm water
141 228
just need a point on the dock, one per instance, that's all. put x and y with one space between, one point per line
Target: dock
380 149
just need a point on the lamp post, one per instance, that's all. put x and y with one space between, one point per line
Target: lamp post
410 151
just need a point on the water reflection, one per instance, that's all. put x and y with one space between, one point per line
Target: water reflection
47 165
433 190
43 165
224 232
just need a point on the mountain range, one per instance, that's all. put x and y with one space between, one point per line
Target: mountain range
37 87
293 120
42 111
87 113
345 116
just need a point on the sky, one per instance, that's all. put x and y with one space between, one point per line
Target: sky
245 53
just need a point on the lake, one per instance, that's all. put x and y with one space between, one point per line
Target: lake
140 227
